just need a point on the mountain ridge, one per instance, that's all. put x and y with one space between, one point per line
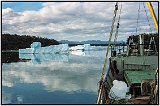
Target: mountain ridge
89 42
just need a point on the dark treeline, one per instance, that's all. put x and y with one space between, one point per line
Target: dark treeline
15 42
147 38
10 57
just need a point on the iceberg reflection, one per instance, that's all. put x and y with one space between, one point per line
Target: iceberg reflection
92 52
7 98
38 58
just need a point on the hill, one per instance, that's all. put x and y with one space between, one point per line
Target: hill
15 42
92 42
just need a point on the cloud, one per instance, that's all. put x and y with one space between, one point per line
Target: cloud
75 20
6 11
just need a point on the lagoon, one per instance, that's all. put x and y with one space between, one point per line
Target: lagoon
52 78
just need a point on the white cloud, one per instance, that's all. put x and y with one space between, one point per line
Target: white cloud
6 11
73 20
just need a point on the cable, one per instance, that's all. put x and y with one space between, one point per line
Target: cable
138 18
116 34
147 17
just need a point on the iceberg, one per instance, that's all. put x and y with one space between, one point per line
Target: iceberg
36 45
87 46
61 48
78 47
36 48
88 53
27 50
81 47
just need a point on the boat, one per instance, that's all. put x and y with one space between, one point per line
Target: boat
132 76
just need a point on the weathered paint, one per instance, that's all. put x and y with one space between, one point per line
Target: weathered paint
135 77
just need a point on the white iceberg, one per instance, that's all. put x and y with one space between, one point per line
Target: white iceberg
27 50
78 47
62 48
92 51
36 48
81 47
87 46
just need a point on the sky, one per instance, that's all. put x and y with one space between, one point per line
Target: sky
75 21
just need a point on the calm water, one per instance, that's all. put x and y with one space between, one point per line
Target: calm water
52 79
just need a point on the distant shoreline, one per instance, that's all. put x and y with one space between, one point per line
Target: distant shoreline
7 51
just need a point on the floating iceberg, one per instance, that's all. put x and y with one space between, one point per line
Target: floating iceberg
36 48
87 53
61 48
80 47
27 50
87 46
36 45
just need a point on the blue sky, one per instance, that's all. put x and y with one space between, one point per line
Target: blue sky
77 21
22 6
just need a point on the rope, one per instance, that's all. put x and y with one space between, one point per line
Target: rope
147 18
112 28
105 61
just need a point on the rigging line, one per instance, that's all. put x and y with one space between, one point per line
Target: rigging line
116 34
138 18
149 28
147 17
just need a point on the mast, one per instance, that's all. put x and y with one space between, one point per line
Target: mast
141 40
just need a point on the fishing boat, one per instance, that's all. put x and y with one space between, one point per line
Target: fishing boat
132 75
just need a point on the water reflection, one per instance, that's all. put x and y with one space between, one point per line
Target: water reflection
9 99
52 75
59 82
8 57
38 58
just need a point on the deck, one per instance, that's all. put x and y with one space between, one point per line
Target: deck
135 77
